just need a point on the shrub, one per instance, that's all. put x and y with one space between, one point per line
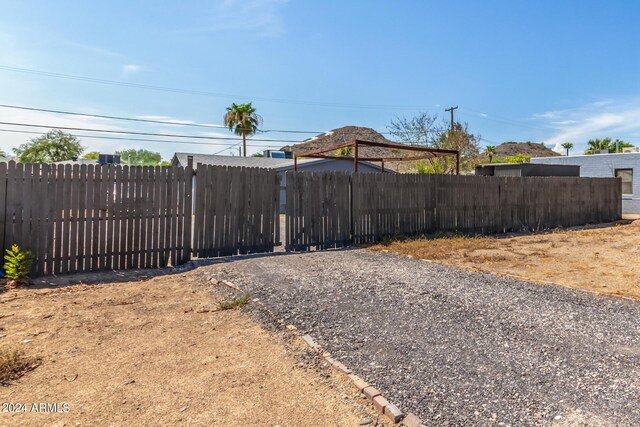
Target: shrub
518 158
14 364
17 263
235 303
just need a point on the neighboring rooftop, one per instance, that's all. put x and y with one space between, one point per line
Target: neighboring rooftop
78 162
180 159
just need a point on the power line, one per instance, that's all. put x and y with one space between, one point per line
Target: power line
174 123
227 146
168 135
130 119
205 93
135 119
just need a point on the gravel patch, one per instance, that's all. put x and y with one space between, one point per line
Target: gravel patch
458 347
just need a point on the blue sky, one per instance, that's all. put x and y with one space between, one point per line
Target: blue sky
544 71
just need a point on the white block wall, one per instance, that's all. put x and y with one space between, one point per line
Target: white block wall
604 165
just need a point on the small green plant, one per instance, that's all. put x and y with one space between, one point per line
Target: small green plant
17 263
235 302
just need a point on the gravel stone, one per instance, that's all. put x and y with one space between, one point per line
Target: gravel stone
457 347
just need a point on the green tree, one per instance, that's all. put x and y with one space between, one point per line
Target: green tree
419 130
139 157
491 151
567 146
607 144
464 142
3 154
92 155
54 146
518 158
597 144
257 155
618 146
243 120
423 130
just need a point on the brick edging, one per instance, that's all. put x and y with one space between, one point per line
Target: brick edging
382 405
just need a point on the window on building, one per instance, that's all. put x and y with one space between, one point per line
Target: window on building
627 180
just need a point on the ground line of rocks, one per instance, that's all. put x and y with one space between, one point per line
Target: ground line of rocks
380 403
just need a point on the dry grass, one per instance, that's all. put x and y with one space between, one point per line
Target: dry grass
161 352
14 364
602 260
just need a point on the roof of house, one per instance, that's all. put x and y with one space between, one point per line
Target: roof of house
250 162
78 162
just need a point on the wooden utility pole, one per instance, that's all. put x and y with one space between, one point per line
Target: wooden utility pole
451 111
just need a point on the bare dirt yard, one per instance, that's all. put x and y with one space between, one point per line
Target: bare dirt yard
603 260
162 352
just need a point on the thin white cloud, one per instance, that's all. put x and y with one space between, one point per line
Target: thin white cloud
263 17
96 50
131 69
606 118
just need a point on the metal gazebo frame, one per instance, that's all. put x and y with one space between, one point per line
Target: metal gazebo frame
429 153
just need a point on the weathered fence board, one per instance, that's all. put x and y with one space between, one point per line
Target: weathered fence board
376 206
470 204
106 217
236 210
317 210
98 217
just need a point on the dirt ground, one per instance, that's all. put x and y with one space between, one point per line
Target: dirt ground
161 352
602 260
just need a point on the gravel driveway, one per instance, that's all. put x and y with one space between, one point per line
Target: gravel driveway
458 347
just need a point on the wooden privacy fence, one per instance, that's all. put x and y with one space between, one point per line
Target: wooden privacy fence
236 211
317 210
389 205
386 205
78 218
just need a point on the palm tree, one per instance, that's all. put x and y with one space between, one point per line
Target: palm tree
567 146
598 144
491 151
243 120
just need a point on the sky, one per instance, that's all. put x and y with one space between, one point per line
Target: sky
543 71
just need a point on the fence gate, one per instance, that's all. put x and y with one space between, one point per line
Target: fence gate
317 210
236 211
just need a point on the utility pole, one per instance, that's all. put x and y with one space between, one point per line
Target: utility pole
451 111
